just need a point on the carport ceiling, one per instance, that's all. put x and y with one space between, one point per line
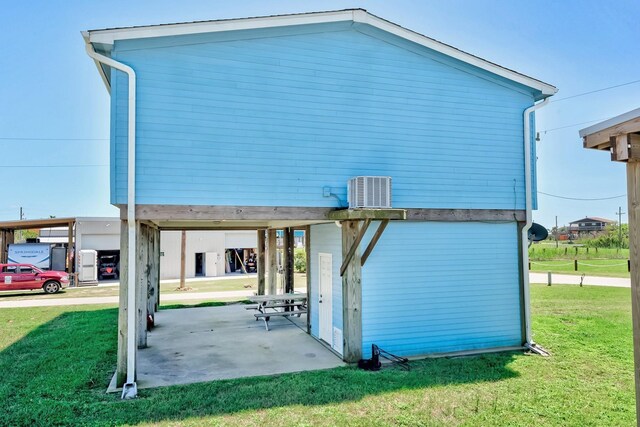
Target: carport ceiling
231 224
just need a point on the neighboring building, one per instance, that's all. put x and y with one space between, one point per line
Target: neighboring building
590 224
207 254
103 236
259 123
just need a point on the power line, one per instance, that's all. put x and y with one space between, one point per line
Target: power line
8 138
578 198
596 91
574 124
50 166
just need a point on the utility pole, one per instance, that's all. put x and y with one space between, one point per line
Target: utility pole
556 233
21 218
620 213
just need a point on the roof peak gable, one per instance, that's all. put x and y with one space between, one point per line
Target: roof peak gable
110 35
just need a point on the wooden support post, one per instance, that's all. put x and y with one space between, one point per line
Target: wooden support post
153 256
183 251
121 366
288 260
261 267
351 294
70 249
307 250
8 237
273 261
142 282
575 265
3 246
633 196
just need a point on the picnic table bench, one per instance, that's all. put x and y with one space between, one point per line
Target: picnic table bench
284 305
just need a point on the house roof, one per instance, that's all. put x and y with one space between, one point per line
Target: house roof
108 36
598 135
592 218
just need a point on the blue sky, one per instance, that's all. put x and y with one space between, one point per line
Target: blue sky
50 90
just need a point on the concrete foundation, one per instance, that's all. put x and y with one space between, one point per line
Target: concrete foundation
213 343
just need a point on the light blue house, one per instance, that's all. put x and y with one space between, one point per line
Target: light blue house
259 123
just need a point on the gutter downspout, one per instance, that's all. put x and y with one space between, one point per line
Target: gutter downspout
130 389
525 230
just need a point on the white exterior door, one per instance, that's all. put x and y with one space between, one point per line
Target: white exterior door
210 264
325 301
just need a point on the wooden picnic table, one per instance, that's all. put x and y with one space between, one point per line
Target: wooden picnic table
284 305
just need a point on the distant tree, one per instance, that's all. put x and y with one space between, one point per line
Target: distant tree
610 237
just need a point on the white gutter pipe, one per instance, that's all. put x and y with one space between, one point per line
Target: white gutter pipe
130 389
525 230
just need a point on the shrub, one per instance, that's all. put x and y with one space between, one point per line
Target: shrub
300 260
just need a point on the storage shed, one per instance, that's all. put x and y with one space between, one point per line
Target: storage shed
259 123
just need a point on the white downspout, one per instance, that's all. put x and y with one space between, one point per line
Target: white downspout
525 230
129 390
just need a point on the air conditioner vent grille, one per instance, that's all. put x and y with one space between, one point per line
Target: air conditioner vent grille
369 192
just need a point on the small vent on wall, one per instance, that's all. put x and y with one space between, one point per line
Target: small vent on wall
337 344
370 192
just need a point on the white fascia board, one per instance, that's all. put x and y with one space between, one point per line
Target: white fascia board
105 78
109 36
614 121
363 17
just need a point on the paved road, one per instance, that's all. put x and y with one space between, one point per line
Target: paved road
557 279
569 279
173 297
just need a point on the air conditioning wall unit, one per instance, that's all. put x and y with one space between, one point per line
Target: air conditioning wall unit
369 192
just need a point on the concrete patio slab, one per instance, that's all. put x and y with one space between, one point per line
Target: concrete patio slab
213 343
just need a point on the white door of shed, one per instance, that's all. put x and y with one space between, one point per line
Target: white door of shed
210 264
325 319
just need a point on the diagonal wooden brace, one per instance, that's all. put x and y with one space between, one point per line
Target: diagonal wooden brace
373 241
354 246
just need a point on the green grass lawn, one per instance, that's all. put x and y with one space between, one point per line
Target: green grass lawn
57 361
540 251
591 267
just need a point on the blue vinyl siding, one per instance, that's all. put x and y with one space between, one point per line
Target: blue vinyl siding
434 287
326 238
282 114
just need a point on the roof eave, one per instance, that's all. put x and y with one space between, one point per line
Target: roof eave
105 79
109 36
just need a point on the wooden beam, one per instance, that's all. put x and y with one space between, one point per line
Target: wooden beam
465 215
288 243
261 264
221 213
603 137
121 364
70 248
183 252
633 198
354 214
374 240
351 295
307 250
26 224
232 217
625 147
272 252
354 247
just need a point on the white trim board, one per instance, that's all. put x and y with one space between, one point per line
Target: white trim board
110 35
614 121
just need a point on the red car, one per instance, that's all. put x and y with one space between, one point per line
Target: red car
14 277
